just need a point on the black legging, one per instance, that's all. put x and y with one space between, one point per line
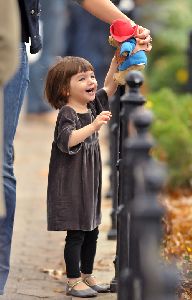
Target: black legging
80 249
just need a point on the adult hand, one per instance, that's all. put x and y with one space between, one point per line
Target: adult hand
143 38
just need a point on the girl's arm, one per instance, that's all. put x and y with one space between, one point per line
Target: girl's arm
79 135
110 86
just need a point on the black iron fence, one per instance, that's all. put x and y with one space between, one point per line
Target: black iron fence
137 180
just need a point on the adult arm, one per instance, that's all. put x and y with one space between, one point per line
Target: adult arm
106 11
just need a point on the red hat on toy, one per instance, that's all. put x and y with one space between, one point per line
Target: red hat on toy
122 30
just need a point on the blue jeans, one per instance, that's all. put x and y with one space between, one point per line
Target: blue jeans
14 93
54 23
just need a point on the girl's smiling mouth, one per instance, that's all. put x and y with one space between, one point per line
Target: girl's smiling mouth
90 91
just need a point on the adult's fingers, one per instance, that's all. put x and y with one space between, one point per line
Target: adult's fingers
142 32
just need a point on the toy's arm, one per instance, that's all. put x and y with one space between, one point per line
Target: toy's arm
127 47
110 86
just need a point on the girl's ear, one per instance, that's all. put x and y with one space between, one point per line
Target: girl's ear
65 93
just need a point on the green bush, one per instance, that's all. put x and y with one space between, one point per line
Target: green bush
172 130
165 72
170 23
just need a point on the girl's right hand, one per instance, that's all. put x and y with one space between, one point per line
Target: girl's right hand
101 119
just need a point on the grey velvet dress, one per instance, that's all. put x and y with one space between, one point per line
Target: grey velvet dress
74 180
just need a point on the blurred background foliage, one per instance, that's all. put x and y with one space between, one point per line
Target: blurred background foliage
170 23
172 130
166 78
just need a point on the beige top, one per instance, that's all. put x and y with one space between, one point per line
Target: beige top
9 38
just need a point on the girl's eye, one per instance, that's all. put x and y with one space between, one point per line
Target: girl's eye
81 79
92 76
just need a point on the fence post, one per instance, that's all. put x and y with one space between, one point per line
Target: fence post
151 280
141 274
129 102
136 149
114 153
116 108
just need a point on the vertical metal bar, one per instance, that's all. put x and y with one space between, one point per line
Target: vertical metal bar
156 281
114 146
115 181
129 102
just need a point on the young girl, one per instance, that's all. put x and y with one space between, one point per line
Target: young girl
74 182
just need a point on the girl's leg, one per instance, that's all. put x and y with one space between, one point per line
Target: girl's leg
72 252
72 255
88 251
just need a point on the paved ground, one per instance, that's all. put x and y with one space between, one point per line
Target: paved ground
37 255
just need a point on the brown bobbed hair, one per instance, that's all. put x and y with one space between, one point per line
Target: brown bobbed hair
58 79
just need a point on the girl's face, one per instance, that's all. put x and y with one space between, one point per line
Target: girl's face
83 87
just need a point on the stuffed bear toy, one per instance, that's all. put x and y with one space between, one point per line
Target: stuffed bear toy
129 54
